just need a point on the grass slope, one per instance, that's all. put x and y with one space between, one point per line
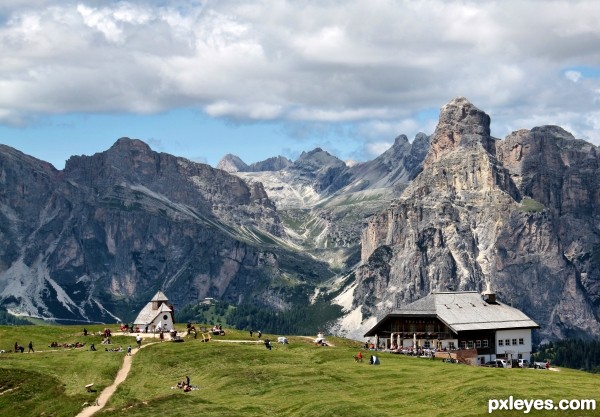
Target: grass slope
298 379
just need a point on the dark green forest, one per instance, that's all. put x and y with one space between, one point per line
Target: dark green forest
7 319
571 353
307 320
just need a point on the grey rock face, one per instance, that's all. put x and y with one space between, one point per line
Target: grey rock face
96 240
276 163
232 163
519 214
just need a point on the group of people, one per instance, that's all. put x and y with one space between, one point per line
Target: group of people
65 345
218 330
20 348
185 385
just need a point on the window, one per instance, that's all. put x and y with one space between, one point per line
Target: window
478 344
427 344
485 343
521 341
500 342
470 344
514 342
463 345
506 342
165 317
451 345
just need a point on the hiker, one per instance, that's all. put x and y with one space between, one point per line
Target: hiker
85 332
161 336
268 344
251 333
30 347
129 350
259 334
138 339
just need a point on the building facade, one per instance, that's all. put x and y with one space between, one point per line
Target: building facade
156 315
458 320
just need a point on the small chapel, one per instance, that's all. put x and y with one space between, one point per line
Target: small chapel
157 315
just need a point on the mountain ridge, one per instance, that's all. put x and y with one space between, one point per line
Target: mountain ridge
458 210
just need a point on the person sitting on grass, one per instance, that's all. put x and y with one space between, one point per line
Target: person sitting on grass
358 357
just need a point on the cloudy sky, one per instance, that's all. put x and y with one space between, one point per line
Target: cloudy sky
200 79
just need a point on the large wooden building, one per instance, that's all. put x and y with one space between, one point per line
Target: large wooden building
459 320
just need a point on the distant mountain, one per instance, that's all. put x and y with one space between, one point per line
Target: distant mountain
96 240
232 163
456 210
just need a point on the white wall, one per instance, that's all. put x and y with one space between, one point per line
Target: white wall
165 324
524 349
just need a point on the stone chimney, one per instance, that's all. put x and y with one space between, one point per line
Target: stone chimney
488 296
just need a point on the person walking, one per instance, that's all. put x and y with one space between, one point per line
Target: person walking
30 347
129 350
138 339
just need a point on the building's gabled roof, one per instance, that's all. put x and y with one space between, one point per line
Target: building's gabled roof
147 315
160 296
462 311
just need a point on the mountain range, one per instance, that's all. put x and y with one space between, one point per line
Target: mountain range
456 210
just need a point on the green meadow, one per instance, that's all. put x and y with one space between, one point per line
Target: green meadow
246 379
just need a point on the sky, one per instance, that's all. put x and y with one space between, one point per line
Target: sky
201 79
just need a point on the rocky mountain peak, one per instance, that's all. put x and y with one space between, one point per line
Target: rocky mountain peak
275 163
232 163
402 139
461 124
318 158
127 144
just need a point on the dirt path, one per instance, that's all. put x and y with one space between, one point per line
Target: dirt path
110 390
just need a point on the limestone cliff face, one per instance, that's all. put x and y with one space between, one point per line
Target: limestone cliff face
519 214
96 240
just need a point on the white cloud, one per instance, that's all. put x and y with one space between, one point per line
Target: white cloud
375 63
574 76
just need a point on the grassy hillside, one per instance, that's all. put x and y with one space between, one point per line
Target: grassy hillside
235 379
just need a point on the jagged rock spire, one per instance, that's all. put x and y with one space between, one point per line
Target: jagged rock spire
461 124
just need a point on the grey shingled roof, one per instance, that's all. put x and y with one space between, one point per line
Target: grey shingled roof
462 311
159 296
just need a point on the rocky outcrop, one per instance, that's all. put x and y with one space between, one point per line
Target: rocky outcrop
276 163
96 240
395 168
233 163
519 214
